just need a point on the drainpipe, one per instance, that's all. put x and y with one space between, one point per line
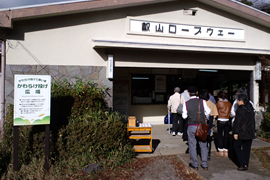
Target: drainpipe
3 77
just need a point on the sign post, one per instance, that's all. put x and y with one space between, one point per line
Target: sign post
32 106
15 151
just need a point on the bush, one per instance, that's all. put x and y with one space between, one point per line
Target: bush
100 135
265 125
83 131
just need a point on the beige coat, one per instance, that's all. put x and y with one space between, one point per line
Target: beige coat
174 101
213 108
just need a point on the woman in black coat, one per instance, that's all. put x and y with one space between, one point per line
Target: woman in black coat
244 131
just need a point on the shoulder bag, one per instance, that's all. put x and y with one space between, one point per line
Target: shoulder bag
202 129
180 107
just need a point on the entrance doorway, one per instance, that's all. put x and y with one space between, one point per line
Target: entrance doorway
148 89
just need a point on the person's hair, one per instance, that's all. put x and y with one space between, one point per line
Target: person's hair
242 90
192 90
221 95
177 89
185 87
242 97
204 94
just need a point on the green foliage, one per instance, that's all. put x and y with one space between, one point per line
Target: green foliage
101 134
82 97
83 131
249 3
265 125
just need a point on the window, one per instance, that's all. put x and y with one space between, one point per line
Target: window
152 89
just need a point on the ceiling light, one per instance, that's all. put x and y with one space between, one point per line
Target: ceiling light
208 70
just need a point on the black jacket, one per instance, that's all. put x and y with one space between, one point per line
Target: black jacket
244 123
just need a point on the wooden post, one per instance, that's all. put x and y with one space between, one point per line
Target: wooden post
47 146
268 85
15 150
3 78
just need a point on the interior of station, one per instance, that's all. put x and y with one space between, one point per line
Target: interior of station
144 91
148 89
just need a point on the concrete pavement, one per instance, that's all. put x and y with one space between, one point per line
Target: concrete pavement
219 167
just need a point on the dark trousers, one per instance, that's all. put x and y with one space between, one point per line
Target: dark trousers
223 134
210 123
209 138
185 126
242 151
177 123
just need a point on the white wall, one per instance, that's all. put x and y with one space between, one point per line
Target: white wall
68 39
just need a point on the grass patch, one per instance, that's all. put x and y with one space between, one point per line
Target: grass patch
263 155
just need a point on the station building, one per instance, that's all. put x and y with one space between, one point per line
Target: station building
139 49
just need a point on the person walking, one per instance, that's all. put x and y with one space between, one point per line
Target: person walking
190 113
185 135
173 103
243 131
212 98
223 124
241 90
185 94
205 95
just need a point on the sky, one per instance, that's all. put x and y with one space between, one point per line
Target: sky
17 3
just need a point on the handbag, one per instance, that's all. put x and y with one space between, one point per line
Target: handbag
166 119
180 107
214 128
202 129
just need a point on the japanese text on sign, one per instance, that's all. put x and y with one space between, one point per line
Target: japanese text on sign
189 31
32 99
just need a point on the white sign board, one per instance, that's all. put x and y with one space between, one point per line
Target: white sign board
110 66
258 71
32 99
186 31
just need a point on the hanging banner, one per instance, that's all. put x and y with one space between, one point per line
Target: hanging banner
32 99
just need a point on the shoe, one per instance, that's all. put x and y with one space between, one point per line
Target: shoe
242 168
187 151
225 154
220 153
193 167
204 168
208 157
179 134
173 133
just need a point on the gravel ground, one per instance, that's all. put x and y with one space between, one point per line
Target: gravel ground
153 168
158 168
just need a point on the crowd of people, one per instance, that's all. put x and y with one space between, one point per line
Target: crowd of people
201 107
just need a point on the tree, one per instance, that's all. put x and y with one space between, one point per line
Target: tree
249 3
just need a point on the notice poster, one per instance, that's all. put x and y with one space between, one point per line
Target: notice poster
160 83
32 99
120 95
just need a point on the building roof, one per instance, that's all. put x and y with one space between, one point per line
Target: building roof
7 16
